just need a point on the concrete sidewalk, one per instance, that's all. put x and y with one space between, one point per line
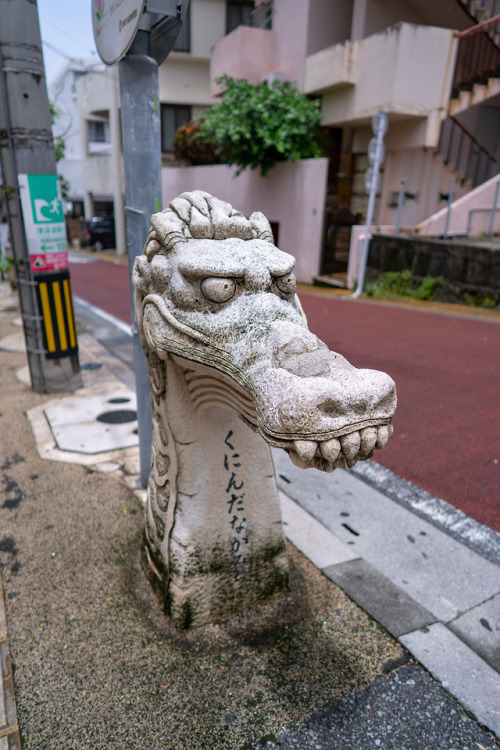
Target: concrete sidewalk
427 574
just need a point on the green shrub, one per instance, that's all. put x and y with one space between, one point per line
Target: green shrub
396 284
257 126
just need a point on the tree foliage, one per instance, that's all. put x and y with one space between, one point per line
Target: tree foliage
257 126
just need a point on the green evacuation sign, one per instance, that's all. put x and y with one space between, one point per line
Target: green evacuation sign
44 224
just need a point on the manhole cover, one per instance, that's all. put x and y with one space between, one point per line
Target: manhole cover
120 416
118 400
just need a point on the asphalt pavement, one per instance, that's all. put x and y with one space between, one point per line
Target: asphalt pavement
389 638
443 358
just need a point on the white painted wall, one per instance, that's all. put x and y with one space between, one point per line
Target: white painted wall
293 195
405 70
183 80
208 25
62 93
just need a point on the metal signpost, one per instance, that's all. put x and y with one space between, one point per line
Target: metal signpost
376 155
138 35
33 204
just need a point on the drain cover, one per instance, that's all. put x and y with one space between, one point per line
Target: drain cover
120 416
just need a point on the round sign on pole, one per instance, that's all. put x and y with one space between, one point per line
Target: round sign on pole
115 24
372 180
376 151
380 122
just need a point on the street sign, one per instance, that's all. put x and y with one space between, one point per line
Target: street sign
44 224
376 151
376 155
380 122
372 179
115 24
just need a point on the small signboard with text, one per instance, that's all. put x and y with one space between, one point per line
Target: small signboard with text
44 221
115 24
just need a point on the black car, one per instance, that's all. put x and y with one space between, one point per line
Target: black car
101 232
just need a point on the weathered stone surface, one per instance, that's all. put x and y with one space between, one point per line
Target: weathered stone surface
231 361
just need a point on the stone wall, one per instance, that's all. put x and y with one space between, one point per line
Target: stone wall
459 261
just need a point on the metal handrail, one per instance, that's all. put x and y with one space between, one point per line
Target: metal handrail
478 28
474 139
478 58
463 151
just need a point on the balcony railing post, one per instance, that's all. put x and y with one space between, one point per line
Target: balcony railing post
450 201
494 210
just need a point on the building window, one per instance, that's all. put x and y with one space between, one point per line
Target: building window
97 131
183 41
238 13
99 141
172 117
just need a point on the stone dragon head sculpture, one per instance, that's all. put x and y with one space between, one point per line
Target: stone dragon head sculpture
231 361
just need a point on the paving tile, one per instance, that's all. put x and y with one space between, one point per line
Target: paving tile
437 571
310 537
376 594
480 629
473 682
74 424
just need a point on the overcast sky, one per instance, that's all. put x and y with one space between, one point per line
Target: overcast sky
67 28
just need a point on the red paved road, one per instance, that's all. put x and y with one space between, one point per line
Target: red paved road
447 372
103 284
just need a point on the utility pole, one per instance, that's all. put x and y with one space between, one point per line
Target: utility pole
138 35
142 157
34 205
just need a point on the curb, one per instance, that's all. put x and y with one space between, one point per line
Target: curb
430 639
9 730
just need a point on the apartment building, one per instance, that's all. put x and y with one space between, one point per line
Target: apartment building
88 100
434 68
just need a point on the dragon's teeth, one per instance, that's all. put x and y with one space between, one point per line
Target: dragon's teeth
305 448
350 445
382 436
298 460
368 440
330 449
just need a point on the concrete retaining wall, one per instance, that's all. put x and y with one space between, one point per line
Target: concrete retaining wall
475 264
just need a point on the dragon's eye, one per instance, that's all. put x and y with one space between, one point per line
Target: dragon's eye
218 290
286 284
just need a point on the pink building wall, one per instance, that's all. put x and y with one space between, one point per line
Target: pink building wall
293 196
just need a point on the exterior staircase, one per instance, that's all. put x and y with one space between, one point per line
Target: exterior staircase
477 67
480 10
476 79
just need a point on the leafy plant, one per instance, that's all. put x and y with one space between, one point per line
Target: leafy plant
257 126
59 144
6 264
395 284
191 144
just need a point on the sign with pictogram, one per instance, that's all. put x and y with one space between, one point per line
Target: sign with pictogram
44 224
115 24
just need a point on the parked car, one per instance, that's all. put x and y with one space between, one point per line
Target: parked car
101 232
